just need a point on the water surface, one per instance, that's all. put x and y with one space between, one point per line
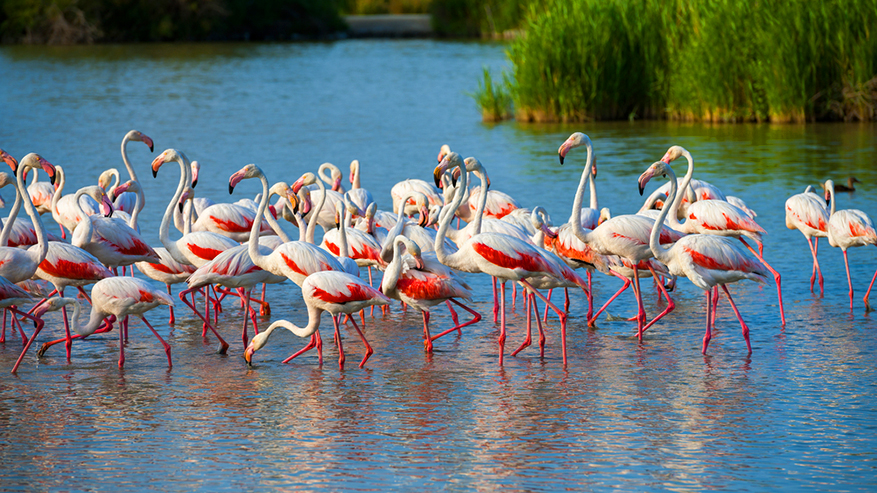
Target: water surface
797 414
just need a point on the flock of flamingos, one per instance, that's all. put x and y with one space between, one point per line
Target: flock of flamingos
228 249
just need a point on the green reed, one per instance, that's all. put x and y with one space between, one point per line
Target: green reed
711 60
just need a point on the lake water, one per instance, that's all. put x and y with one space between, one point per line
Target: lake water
798 414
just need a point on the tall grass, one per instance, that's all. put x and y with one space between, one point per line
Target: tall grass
493 98
712 60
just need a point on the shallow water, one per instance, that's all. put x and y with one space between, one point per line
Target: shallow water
797 414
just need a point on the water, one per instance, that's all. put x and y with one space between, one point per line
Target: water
797 414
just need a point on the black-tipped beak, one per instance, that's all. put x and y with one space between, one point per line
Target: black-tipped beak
641 190
150 148
154 173
230 189
194 183
437 176
561 158
180 205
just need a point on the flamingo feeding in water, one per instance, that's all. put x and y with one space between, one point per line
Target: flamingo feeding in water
328 291
706 260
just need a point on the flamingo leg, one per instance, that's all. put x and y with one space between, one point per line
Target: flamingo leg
68 341
501 339
15 323
245 301
813 273
625 286
453 313
371 283
3 334
476 317
170 308
107 327
427 339
560 315
338 342
715 304
709 308
776 277
495 301
740 318
815 252
37 330
590 297
849 279
264 307
167 347
223 346
566 298
641 311
311 345
670 304
82 292
541 329
515 297
121 349
529 339
545 318
868 294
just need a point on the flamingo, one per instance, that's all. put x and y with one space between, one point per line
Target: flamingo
11 297
706 260
424 283
67 214
41 194
807 212
849 228
21 232
114 296
364 249
360 197
324 216
495 254
133 136
718 217
124 202
626 236
403 188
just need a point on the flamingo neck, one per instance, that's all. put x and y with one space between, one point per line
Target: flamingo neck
306 331
83 231
94 320
354 170
164 229
31 211
343 252
445 218
128 166
327 179
138 206
659 251
115 174
253 243
13 214
482 201
593 187
830 186
677 200
312 222
394 268
575 217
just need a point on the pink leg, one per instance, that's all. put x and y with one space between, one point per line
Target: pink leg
311 345
453 313
545 317
27 345
625 286
495 302
641 311
560 314
371 283
776 277
82 292
172 319
868 294
566 298
514 297
590 297
475 318
849 279
167 347
529 339
709 316
670 304
818 269
813 273
264 307
338 342
3 335
368 349
427 339
742 323
223 346
501 339
121 349
715 304
245 300
107 327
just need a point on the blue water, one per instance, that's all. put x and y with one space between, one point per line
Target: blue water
797 414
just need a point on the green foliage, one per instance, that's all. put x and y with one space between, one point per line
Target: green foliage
493 98
479 17
714 60
76 21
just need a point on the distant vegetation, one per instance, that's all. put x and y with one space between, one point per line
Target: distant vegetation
89 21
708 60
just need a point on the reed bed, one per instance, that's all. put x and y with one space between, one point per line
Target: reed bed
716 60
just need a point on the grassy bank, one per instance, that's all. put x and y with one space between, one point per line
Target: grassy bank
88 21
710 60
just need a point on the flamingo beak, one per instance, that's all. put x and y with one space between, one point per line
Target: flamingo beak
106 207
424 217
146 140
234 179
645 177
156 163
49 168
8 159
548 232
418 262
336 185
563 150
180 205
248 355
292 200
439 171
296 186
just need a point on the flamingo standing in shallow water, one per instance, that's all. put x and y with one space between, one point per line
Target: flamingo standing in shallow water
849 228
706 260
808 213
113 296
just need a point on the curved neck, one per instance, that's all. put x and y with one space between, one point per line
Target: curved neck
187 216
115 174
253 243
307 331
31 211
94 321
164 229
312 222
84 229
128 166
275 226
833 201
302 227
445 218
593 186
677 200
138 206
343 252
13 213
654 238
575 217
58 192
327 179
394 268
482 201
355 172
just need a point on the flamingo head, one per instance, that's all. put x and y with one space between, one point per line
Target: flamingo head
354 168
166 156
35 161
657 168
307 179
829 188
106 205
594 167
444 151
577 139
138 136
673 153
304 200
257 343
292 200
196 170
53 304
248 171
104 179
605 215
188 194
8 159
451 160
6 179
128 186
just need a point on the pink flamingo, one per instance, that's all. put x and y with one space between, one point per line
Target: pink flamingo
424 283
808 213
333 292
41 194
495 254
849 228
706 260
718 217
360 197
118 297
626 236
